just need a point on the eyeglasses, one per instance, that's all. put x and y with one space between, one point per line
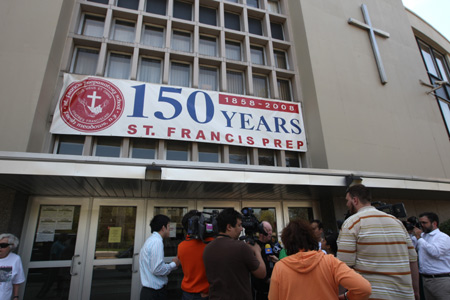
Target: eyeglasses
4 245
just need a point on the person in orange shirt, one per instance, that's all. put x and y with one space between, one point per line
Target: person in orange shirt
190 253
308 273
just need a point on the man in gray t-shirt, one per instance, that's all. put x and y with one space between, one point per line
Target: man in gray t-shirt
228 261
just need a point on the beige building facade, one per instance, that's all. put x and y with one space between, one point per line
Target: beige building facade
372 107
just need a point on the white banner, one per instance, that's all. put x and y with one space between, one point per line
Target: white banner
111 107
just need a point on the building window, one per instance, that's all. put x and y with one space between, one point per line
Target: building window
292 159
284 89
208 78
233 50
266 157
207 16
274 6
254 26
123 31
181 41
277 31
180 74
235 82
208 45
280 59
260 86
182 10
70 145
156 7
177 151
438 70
100 1
208 153
257 55
118 66
85 61
131 4
92 26
232 21
153 36
253 3
108 146
149 70
233 1
238 155
143 148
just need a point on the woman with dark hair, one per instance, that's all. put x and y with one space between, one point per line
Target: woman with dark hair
307 273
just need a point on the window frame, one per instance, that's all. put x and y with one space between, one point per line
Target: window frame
144 26
227 13
207 8
141 57
108 63
180 63
200 67
175 2
266 79
260 28
289 88
263 54
282 31
285 59
243 81
82 26
75 55
227 42
113 30
211 37
181 32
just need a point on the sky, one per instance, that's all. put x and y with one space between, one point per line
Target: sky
435 12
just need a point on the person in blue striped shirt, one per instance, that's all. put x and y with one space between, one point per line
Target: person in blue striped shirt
153 269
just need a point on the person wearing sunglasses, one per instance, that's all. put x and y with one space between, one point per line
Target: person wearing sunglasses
11 270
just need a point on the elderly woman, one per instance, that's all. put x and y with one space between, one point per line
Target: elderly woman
11 271
308 273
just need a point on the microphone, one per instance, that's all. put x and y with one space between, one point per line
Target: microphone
268 249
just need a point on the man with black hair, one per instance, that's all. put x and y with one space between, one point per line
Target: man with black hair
377 246
229 261
190 253
434 257
317 227
153 270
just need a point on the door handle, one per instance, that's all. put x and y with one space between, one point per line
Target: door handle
132 263
72 265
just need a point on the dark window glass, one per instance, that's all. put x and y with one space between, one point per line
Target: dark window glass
143 148
100 1
131 4
292 160
207 16
238 155
208 153
182 10
156 7
277 31
253 3
232 21
266 157
71 145
177 150
108 147
254 26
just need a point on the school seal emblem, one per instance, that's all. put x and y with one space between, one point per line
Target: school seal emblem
91 105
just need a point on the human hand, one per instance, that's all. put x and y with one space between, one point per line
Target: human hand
176 261
417 232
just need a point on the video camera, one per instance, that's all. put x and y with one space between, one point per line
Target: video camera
397 210
412 222
251 226
203 225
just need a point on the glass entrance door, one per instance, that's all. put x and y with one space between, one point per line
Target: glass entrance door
53 248
83 249
115 238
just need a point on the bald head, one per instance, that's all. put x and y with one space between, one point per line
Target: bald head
268 229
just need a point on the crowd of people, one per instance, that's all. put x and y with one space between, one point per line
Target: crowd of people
374 256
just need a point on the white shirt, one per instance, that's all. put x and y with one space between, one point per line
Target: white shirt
153 270
434 253
11 272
